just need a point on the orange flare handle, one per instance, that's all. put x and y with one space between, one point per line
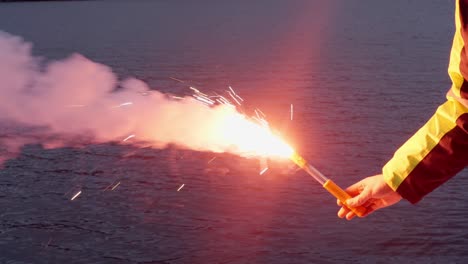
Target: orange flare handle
342 195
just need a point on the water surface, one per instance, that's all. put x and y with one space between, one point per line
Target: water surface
362 75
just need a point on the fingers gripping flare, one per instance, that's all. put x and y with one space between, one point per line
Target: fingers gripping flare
359 200
372 193
343 197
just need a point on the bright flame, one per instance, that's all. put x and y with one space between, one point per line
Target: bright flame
248 137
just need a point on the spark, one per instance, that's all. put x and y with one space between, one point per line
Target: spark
251 136
129 137
211 160
175 79
123 104
233 97
194 89
260 111
180 188
197 91
108 186
202 94
177 97
111 186
225 101
292 111
261 121
203 99
76 195
115 186
131 153
240 98
232 90
222 100
263 171
256 113
263 165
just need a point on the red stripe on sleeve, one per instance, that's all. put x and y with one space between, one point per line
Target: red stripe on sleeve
445 160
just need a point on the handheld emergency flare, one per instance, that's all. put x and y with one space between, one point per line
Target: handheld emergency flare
328 184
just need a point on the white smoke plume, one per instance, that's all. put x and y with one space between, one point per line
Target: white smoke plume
78 97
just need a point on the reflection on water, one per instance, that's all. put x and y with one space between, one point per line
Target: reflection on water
362 76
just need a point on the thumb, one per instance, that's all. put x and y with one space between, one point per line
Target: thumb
358 200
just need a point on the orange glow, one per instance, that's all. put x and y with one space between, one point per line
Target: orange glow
248 137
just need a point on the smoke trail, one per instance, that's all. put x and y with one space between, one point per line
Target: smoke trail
78 97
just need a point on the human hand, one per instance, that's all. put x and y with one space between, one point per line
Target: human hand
372 193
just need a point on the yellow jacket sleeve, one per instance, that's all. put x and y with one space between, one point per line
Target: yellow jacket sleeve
439 149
